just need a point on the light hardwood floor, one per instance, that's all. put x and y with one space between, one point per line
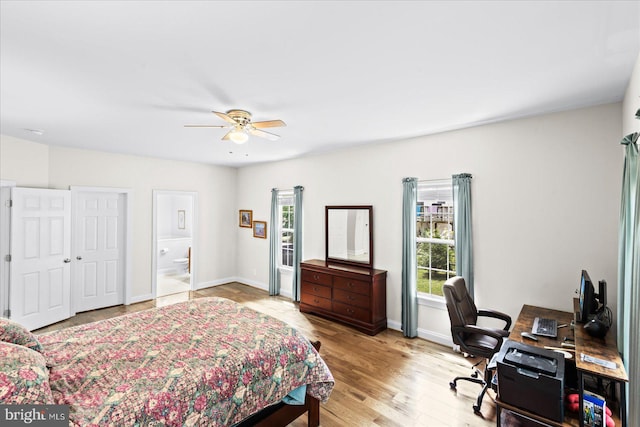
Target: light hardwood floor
384 380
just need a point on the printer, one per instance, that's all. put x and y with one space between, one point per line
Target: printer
531 378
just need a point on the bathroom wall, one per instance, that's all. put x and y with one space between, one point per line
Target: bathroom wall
174 230
170 249
167 209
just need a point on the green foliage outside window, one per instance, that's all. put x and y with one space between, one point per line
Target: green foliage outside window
287 216
437 260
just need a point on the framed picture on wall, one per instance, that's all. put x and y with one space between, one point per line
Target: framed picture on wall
246 218
181 220
260 229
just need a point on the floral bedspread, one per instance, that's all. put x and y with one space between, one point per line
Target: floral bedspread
207 362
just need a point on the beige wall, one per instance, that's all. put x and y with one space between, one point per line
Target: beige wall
24 162
545 205
31 164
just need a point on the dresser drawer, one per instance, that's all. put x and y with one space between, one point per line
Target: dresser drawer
315 289
315 277
351 298
351 311
316 301
351 295
351 285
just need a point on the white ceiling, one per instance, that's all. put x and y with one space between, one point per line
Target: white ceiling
126 76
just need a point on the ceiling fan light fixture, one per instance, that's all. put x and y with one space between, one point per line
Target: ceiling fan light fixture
238 136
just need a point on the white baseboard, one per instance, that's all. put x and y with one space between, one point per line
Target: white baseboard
435 337
424 334
265 287
140 298
217 282
392 324
286 293
255 284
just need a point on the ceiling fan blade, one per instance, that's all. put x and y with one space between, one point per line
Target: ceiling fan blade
227 135
206 126
263 134
225 117
268 124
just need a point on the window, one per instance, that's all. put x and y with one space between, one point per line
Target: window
287 217
436 257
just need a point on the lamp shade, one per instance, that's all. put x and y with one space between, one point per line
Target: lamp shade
238 136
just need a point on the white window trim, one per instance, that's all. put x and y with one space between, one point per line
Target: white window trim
436 241
433 301
281 267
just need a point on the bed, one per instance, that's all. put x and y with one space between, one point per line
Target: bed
207 361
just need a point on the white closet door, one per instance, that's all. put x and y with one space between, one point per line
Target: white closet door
40 274
99 248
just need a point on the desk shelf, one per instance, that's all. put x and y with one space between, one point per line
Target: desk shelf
533 420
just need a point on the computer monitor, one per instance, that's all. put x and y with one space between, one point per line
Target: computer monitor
602 295
588 303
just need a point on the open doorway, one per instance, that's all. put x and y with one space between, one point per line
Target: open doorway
174 231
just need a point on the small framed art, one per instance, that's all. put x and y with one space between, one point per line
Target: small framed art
246 218
260 229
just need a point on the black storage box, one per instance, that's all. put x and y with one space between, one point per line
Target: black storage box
532 379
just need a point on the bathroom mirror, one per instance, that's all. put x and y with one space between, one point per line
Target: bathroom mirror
349 235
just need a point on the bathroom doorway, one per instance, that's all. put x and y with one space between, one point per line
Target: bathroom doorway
174 242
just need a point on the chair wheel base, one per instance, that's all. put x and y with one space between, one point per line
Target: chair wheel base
476 410
452 385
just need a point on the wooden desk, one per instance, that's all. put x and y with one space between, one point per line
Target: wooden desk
598 347
525 323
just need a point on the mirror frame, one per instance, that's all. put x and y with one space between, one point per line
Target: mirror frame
326 237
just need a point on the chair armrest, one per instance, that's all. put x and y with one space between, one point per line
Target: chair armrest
459 331
472 329
497 315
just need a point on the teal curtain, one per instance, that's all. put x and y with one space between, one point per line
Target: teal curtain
409 266
462 229
629 275
297 240
274 240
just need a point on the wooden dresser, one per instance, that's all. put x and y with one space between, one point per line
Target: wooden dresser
351 295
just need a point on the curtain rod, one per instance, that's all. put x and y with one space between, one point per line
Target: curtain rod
434 180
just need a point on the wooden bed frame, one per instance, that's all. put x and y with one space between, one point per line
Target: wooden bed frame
282 414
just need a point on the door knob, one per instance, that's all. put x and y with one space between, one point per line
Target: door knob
79 258
67 260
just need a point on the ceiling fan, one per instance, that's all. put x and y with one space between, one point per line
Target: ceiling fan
242 126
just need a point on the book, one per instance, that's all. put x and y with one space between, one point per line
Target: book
593 410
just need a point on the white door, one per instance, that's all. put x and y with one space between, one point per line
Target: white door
5 248
40 274
99 248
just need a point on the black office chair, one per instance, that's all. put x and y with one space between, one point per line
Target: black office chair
472 339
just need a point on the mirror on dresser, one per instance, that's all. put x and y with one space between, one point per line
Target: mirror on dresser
349 235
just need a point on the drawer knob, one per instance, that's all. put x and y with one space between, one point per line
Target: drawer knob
350 285
316 277
350 311
316 301
350 298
